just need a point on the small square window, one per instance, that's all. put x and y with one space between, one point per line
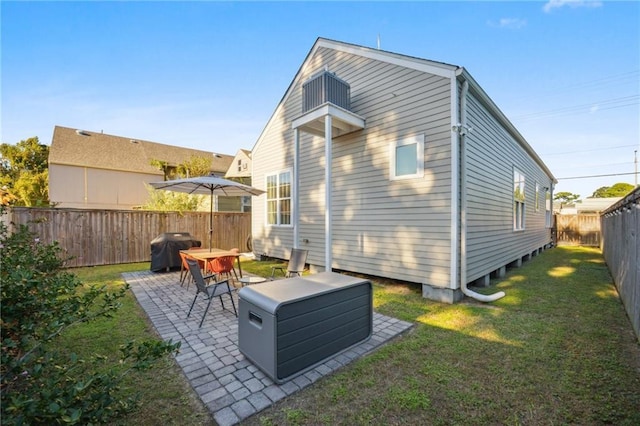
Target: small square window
407 158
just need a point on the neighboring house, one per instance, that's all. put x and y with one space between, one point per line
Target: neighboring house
586 206
240 171
94 170
399 167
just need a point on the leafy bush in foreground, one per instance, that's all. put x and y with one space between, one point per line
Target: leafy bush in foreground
40 385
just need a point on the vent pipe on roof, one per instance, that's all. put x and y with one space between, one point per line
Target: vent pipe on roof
462 131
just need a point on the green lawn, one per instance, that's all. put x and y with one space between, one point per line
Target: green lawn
558 349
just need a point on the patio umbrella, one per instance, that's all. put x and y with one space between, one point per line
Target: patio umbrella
208 185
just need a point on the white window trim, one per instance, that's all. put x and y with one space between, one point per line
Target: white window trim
523 204
266 203
548 209
419 141
537 197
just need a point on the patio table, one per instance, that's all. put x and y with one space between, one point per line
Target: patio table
207 254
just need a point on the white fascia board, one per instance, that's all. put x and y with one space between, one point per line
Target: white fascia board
436 68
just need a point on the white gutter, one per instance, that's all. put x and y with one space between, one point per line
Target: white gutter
462 131
455 186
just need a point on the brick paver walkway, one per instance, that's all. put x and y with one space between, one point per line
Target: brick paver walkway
229 384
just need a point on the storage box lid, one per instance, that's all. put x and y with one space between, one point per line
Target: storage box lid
271 295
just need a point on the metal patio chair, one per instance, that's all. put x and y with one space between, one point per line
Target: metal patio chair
184 270
296 264
216 289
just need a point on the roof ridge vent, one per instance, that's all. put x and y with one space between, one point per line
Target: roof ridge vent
82 133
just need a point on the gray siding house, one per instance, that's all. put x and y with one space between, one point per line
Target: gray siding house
399 167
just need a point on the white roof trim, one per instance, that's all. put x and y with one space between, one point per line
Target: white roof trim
440 69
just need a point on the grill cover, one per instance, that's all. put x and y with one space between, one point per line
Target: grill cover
165 249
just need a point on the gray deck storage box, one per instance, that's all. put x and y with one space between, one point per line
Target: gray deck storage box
287 326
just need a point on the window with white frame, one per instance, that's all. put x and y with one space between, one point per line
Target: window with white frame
537 200
407 158
548 207
279 198
518 200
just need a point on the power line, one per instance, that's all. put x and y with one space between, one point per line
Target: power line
596 176
606 104
603 82
590 150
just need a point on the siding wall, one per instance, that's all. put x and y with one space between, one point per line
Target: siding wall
397 229
492 154
83 187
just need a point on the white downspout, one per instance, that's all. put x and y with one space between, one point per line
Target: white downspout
463 204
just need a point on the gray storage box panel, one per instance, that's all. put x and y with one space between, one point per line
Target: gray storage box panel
287 326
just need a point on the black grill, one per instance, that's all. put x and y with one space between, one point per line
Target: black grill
165 250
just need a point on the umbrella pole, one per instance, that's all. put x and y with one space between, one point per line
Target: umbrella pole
211 221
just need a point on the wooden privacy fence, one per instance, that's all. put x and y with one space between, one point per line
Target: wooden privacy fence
107 237
578 229
621 250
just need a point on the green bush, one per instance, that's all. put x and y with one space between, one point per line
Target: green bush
40 385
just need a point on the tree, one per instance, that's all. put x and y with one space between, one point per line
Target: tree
174 201
566 197
171 201
24 172
195 166
620 189
41 301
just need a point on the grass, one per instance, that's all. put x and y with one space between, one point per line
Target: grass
165 395
558 349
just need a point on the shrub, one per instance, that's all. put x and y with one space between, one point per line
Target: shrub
40 300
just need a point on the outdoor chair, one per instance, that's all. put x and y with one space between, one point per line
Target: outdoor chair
222 266
184 270
297 260
210 291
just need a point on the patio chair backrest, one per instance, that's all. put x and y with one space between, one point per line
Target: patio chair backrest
196 273
297 261
221 265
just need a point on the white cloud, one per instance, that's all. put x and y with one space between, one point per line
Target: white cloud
556 4
509 23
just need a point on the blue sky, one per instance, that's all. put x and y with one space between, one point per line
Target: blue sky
208 75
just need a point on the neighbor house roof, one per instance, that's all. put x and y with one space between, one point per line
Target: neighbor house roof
83 148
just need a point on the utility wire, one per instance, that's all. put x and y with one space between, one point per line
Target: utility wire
616 79
589 150
600 105
596 176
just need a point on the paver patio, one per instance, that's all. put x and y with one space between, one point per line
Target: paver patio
229 384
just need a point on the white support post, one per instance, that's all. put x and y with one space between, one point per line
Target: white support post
327 179
296 192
